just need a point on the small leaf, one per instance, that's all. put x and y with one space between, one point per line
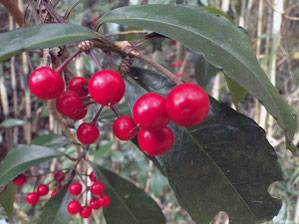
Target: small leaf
7 198
42 36
224 45
224 164
236 91
10 123
129 204
21 158
55 210
50 140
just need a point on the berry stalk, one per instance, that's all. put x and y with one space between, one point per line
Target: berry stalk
67 61
97 116
95 59
117 113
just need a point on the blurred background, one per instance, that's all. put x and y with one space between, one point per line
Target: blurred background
273 28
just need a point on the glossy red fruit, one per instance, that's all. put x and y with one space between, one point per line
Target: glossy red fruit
42 189
106 87
104 200
69 103
87 133
85 212
73 207
80 115
124 128
97 188
79 85
149 111
32 198
75 188
187 104
54 192
155 143
59 176
94 203
92 176
19 180
45 83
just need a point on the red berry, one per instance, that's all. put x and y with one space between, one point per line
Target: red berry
19 180
59 176
85 211
187 104
69 103
93 177
73 207
104 200
54 192
87 133
75 188
155 143
94 203
106 87
176 63
97 188
42 189
79 85
32 198
124 128
45 83
80 114
149 111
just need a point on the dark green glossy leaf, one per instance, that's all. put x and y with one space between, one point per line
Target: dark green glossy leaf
50 140
10 123
224 45
55 210
42 36
7 198
224 164
129 204
21 158
236 91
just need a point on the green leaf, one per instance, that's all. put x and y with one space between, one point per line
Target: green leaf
129 204
21 158
50 140
224 164
42 36
102 151
11 122
7 198
55 210
224 45
236 91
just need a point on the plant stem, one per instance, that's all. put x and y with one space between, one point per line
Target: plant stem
95 59
117 113
97 116
67 61
53 13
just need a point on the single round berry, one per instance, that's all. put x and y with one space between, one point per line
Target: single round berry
59 176
73 207
187 104
149 111
75 188
124 128
85 212
69 103
19 180
87 133
42 189
32 198
93 177
97 188
106 87
155 143
45 83
54 192
104 200
80 114
94 203
79 85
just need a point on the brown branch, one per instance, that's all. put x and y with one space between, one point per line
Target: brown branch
53 13
14 11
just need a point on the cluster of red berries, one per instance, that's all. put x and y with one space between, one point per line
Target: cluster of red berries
186 104
42 189
99 200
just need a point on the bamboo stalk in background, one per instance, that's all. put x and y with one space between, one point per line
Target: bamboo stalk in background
3 94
